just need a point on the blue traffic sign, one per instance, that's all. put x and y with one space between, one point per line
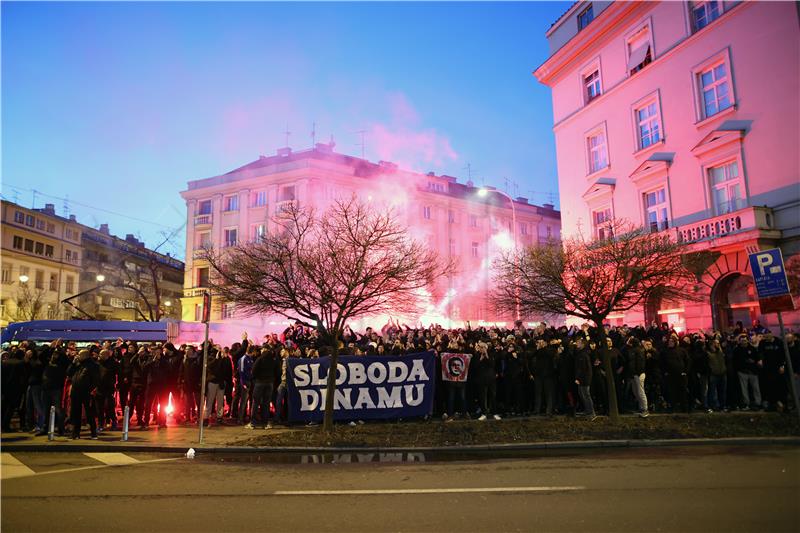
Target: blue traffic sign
769 274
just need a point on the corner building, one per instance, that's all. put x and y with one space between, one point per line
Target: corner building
451 217
682 117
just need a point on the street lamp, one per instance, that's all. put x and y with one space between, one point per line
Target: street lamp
167 303
101 278
23 278
483 192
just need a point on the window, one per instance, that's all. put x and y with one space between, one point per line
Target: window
549 232
204 239
6 274
53 282
231 203
726 188
473 221
287 193
598 153
231 236
70 285
259 199
426 212
655 204
258 232
228 310
52 313
17 244
204 207
585 17
435 187
592 84
648 125
51 228
39 283
474 249
715 89
28 245
452 247
68 255
39 248
198 312
40 224
703 13
639 48
523 228
19 217
202 277
48 250
23 271
601 223
451 216
30 220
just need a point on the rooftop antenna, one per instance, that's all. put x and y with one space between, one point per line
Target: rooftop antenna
363 143
66 206
287 133
313 134
16 196
33 202
468 168
332 142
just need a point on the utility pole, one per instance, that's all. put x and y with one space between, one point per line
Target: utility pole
287 133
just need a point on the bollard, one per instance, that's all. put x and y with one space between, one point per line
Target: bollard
52 426
125 421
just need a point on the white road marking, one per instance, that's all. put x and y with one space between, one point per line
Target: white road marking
112 459
77 468
11 467
367 492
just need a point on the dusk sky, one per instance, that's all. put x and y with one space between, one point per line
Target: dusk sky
117 105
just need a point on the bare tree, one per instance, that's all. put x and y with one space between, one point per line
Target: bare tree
593 279
324 269
30 303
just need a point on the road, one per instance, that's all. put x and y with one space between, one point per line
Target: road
657 489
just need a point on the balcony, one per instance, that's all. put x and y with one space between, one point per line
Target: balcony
730 224
203 220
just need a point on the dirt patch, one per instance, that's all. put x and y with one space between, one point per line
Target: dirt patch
531 430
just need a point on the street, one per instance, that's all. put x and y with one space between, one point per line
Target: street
708 488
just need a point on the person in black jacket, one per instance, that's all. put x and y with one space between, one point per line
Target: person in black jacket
138 386
190 374
104 398
770 348
486 379
544 373
53 378
34 410
85 377
15 383
748 364
583 376
635 372
263 378
158 370
677 366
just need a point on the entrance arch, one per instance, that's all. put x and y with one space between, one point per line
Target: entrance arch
733 299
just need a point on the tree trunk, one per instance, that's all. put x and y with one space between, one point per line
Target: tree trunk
613 408
330 389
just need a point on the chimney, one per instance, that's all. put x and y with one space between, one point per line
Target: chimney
548 206
325 148
388 165
49 209
522 200
104 229
470 184
284 152
431 174
72 218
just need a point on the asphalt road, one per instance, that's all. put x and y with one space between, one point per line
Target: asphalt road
661 489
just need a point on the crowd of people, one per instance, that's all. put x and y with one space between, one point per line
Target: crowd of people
512 372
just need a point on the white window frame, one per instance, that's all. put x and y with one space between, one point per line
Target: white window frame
653 98
226 232
722 57
587 70
230 203
259 199
427 212
597 227
228 310
473 221
255 236
6 273
660 208
523 228
200 206
695 6
647 26
727 185
598 130
475 249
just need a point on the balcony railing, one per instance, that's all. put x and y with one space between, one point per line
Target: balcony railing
749 218
203 220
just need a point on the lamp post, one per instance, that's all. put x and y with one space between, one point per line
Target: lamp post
23 278
483 192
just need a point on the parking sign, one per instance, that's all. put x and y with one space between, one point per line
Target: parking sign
769 277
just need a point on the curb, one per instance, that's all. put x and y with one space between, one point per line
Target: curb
57 447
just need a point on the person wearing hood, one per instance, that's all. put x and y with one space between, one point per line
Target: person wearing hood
85 377
104 399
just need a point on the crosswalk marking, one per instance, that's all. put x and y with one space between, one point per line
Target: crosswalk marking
112 459
11 467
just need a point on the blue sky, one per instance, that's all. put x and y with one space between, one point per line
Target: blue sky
117 105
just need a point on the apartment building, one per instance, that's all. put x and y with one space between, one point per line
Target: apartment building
682 117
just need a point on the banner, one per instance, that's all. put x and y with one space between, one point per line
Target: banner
455 366
371 387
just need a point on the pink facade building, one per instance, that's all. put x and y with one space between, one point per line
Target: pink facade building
682 117
458 220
